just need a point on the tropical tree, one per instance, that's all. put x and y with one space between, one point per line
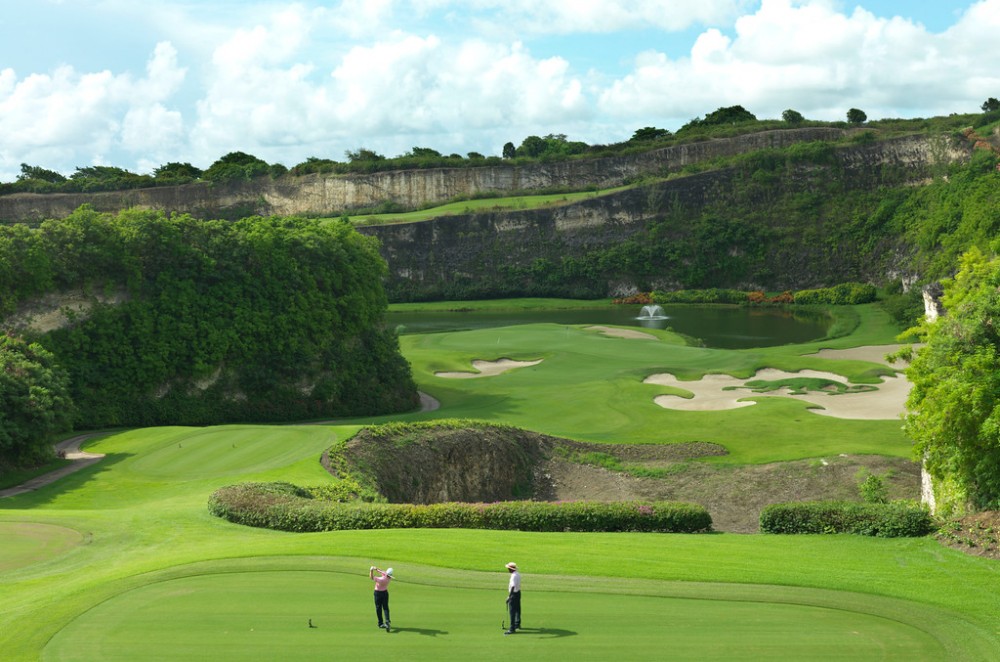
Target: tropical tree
236 165
954 406
363 154
509 151
648 134
34 401
990 105
856 116
39 173
176 172
792 116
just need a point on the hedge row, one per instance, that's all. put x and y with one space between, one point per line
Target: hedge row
287 507
838 295
713 295
844 294
882 520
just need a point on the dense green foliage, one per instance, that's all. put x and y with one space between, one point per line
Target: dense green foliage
950 215
844 294
286 507
710 295
882 520
263 319
34 402
954 407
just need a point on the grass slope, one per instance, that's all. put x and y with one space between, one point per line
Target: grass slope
155 575
589 387
509 203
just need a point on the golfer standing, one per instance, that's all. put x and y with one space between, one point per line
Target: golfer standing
381 595
514 598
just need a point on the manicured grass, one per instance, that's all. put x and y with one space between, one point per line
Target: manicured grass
501 304
265 614
25 543
158 577
483 205
15 477
589 387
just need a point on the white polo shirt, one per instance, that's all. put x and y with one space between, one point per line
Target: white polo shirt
515 582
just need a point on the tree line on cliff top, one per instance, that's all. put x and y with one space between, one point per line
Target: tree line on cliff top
241 166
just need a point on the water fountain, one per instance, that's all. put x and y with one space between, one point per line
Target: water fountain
653 312
652 317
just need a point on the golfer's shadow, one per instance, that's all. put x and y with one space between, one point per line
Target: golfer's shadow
427 632
552 633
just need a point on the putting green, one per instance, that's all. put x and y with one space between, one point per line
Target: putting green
266 614
26 543
229 450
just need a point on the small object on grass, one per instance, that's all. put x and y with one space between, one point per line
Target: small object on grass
311 623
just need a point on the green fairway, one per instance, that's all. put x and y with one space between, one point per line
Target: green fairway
226 450
265 615
122 560
589 387
27 543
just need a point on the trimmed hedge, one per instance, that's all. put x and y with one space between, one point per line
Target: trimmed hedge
287 507
845 294
882 520
713 295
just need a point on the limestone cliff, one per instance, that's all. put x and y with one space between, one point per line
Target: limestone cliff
324 195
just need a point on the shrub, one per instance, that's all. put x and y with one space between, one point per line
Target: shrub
712 295
286 507
838 295
883 520
874 490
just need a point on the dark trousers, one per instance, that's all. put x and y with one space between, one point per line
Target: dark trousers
514 607
382 605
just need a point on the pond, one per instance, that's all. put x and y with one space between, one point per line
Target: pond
724 327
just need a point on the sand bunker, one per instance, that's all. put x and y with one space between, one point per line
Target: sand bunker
488 368
873 353
623 333
887 402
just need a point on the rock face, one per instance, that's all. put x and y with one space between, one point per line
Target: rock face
466 252
508 253
481 464
333 194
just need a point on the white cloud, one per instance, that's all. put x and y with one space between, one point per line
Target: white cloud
289 80
602 16
808 56
66 112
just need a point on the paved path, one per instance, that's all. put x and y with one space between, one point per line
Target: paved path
71 448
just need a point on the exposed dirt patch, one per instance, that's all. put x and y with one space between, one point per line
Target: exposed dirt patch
499 463
734 496
977 534
432 465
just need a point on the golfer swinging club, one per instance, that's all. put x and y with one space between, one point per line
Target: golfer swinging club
381 595
514 598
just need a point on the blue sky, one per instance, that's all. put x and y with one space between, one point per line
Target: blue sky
139 84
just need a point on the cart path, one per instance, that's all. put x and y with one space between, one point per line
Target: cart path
71 449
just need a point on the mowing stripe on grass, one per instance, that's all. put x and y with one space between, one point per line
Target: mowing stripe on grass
265 615
26 543
229 450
